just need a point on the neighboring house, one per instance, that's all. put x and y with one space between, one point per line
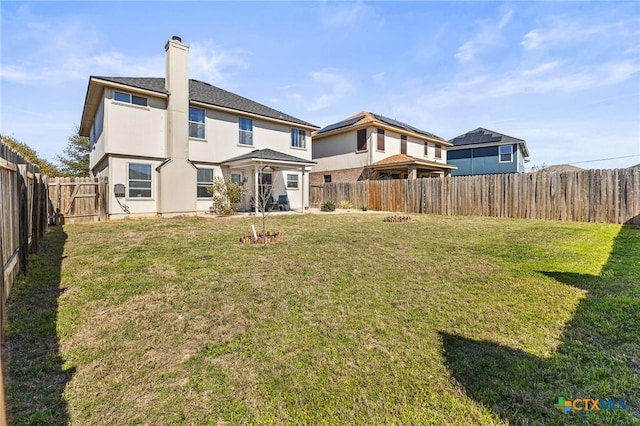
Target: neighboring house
166 139
482 152
370 146
562 168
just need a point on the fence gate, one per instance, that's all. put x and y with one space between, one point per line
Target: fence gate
77 199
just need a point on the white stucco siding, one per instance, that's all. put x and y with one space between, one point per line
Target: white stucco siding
119 174
97 137
222 137
136 130
339 152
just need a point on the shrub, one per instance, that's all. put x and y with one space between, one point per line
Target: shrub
327 206
364 208
345 204
225 196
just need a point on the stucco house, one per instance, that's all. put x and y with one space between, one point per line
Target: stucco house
370 146
166 139
482 152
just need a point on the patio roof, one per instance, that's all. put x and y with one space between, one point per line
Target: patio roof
268 156
402 160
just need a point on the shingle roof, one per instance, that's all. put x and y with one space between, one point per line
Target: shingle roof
206 93
481 136
403 159
269 154
366 117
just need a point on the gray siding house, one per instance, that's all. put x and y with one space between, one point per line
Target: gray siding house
482 152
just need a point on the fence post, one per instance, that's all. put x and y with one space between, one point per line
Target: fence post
23 211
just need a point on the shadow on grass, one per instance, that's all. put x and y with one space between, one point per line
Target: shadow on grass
598 358
34 369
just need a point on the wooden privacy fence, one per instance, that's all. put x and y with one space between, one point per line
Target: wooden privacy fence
23 204
77 199
586 196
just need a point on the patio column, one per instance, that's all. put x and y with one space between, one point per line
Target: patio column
302 189
412 172
255 188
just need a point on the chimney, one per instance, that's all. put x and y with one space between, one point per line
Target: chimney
177 83
177 175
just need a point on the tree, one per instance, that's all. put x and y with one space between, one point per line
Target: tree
75 158
29 154
264 203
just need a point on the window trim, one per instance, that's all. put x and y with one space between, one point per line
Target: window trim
151 192
426 149
366 143
297 181
325 180
298 132
130 99
510 154
380 138
438 153
403 144
199 182
240 131
203 123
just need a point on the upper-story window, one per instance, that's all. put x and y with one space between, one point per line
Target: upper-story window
362 140
380 139
438 151
298 138
403 144
196 122
506 153
426 149
245 126
130 99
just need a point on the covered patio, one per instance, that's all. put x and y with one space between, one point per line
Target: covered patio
278 181
403 166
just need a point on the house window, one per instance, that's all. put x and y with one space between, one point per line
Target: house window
205 180
298 137
426 149
403 144
130 99
327 178
438 151
380 139
236 178
506 153
362 140
292 181
139 180
246 131
196 123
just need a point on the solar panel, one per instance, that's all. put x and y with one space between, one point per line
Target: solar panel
341 124
396 123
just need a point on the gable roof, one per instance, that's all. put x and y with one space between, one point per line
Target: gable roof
202 92
405 160
484 136
269 155
366 117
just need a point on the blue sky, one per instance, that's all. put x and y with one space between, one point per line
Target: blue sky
564 76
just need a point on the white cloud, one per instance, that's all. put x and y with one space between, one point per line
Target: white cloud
488 33
323 89
214 65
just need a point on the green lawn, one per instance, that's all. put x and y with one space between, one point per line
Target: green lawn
349 320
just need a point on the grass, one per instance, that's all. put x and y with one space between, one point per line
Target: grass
350 320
